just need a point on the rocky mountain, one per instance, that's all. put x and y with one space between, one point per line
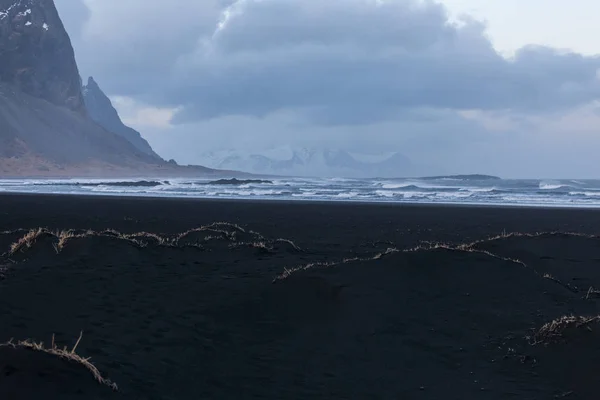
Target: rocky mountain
311 162
45 128
36 53
101 110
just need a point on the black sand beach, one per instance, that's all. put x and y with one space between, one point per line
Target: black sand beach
191 299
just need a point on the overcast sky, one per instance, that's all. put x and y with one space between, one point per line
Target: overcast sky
506 87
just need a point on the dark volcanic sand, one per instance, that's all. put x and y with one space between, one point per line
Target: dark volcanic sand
199 315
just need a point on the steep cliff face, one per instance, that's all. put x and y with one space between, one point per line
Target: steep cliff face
33 129
45 128
36 53
101 110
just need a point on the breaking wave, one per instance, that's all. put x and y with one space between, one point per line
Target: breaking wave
445 190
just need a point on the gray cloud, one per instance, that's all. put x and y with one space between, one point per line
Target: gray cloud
366 60
366 75
132 46
74 15
341 61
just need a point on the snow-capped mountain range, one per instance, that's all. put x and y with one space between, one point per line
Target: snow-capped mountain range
310 162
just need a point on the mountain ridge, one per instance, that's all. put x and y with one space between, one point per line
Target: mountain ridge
45 127
101 110
37 54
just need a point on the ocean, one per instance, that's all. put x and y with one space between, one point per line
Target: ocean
473 190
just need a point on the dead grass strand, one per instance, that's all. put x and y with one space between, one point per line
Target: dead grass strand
65 354
554 330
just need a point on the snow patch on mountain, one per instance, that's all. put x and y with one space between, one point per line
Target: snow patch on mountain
20 3
287 160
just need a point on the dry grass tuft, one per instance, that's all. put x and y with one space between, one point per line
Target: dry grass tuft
226 225
111 232
26 241
262 246
391 250
287 272
509 235
142 239
561 283
423 247
64 353
213 234
592 293
63 237
139 239
221 231
554 331
472 246
257 235
288 241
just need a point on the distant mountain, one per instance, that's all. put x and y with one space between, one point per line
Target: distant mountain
45 128
310 162
101 110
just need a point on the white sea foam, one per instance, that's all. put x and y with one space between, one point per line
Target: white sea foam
588 194
540 193
551 185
